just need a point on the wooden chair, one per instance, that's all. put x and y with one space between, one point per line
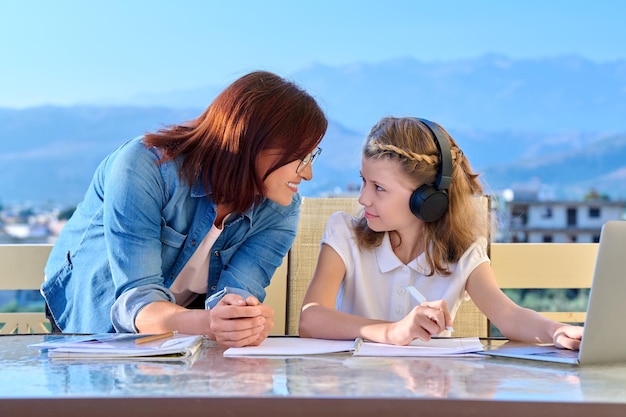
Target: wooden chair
21 268
545 265
302 259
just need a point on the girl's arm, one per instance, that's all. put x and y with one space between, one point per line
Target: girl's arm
319 318
515 322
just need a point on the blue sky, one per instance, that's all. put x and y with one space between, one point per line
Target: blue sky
69 51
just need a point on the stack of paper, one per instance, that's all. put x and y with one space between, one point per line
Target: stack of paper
120 346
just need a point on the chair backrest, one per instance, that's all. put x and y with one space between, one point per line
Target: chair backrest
21 268
546 265
469 321
303 257
314 213
276 297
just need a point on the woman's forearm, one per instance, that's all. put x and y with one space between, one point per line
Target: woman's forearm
164 316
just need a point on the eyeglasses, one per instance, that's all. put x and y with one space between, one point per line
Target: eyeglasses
308 160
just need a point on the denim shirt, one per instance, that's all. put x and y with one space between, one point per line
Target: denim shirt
137 226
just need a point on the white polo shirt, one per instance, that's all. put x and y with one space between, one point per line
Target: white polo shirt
375 282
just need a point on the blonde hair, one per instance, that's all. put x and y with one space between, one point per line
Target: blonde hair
411 143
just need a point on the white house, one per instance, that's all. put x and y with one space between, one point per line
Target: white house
558 221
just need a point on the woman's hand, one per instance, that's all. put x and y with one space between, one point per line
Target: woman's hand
423 322
236 322
268 313
568 337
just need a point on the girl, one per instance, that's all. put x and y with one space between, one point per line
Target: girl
198 215
401 270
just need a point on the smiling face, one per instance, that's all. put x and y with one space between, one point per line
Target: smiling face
282 183
385 195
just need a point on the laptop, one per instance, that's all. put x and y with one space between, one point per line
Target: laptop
604 336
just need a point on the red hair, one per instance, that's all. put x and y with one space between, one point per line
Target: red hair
221 147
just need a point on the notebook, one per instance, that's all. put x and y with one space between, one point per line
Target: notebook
604 336
297 346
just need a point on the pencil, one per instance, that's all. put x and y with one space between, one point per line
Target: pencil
154 337
421 299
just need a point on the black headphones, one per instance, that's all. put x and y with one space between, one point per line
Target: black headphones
430 201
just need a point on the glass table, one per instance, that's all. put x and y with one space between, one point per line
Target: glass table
31 384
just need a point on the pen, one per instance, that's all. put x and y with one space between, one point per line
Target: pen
357 344
419 297
154 337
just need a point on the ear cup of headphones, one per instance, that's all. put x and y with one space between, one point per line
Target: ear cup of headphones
428 203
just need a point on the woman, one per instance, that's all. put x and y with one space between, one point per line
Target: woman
400 271
182 229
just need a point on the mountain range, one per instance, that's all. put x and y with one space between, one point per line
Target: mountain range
491 92
554 124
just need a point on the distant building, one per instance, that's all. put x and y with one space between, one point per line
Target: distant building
537 221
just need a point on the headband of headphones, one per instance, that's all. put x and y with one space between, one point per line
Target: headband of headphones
444 173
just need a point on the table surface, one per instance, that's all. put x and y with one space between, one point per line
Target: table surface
338 384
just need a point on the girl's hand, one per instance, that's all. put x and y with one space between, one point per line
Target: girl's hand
423 322
568 337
